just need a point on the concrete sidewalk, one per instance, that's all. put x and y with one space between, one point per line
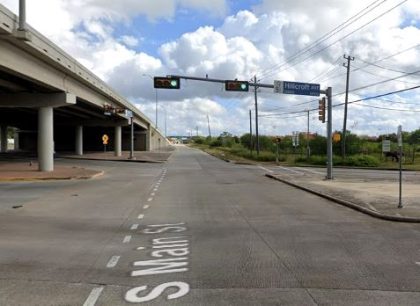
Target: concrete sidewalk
28 171
376 197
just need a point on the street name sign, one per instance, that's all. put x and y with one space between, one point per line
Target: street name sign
297 88
386 145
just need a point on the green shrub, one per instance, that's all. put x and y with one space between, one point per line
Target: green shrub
360 161
216 143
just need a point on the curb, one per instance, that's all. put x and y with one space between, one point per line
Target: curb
349 204
61 178
116 160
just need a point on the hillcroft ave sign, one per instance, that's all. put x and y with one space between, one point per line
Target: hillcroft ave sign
297 88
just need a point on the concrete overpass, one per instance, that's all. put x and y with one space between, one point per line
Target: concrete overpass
56 104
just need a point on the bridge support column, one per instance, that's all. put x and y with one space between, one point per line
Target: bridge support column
45 139
3 135
79 140
117 140
16 140
148 139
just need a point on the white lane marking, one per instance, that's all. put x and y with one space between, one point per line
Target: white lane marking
418 263
141 216
113 261
152 194
312 171
156 189
265 169
127 239
134 227
149 199
146 206
93 296
140 248
371 207
291 170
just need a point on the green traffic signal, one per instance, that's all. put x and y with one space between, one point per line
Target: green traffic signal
166 82
233 85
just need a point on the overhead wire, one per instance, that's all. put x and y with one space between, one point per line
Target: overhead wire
326 36
338 40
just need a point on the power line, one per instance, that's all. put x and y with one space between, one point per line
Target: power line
377 61
350 102
381 76
391 109
340 39
322 38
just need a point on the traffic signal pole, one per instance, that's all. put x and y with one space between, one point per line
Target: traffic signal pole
256 116
329 135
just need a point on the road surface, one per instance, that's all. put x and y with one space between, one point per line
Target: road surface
196 231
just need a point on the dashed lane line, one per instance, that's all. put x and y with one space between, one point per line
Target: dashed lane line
149 199
113 261
127 239
93 296
146 206
141 216
134 227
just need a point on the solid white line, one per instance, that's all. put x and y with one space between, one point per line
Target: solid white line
93 296
113 261
134 227
265 169
291 170
149 199
141 216
127 239
310 170
146 206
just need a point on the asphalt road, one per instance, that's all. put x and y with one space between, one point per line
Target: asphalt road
196 231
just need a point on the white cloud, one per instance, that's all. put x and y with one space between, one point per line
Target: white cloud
246 43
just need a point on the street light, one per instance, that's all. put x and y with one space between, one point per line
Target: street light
156 99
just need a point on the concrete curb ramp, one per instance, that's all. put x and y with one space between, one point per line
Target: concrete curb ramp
348 204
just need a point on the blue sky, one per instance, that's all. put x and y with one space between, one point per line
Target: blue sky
154 33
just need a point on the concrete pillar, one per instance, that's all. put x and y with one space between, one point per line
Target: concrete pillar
79 140
16 139
148 139
117 140
45 139
3 138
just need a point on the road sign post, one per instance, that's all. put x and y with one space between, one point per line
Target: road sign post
105 139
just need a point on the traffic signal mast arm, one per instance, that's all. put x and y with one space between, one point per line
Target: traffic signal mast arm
217 80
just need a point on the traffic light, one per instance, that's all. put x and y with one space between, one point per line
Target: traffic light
321 110
166 82
233 85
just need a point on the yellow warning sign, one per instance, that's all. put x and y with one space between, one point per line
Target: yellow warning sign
105 139
336 137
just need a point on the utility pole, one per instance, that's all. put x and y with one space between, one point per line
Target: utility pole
256 116
208 124
308 149
250 131
196 129
343 141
